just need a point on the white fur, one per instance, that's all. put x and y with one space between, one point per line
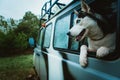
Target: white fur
102 47
83 55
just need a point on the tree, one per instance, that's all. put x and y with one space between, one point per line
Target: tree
1 38
29 25
17 39
3 22
21 41
1 18
12 22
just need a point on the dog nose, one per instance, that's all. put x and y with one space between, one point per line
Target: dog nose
68 33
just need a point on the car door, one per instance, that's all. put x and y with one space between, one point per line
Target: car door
37 58
97 69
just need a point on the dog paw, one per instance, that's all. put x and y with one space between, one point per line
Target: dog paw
102 51
83 61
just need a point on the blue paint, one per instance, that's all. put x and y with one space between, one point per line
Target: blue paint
31 42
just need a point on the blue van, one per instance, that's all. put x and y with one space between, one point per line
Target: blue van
56 56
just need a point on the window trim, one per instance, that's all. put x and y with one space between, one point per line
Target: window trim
39 34
118 28
70 13
60 17
50 36
116 53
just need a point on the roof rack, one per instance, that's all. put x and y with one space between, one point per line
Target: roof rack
48 11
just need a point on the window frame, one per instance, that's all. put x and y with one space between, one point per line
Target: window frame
60 17
40 36
38 39
50 24
93 54
68 49
117 50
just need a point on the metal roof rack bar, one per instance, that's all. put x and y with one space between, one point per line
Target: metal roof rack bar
48 11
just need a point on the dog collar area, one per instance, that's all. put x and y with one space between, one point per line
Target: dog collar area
98 38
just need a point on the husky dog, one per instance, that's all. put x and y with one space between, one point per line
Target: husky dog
92 25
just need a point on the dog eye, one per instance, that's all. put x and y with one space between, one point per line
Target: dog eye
77 21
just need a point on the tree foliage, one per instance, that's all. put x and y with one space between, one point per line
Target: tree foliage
18 38
21 41
29 24
3 22
12 22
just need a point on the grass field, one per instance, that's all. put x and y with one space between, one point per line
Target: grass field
16 68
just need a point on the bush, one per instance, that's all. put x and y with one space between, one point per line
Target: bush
9 42
2 36
21 41
12 43
17 39
5 42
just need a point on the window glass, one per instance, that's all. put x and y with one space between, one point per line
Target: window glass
40 37
61 39
74 43
47 35
74 17
61 28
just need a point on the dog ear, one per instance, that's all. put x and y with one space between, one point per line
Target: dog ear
76 12
84 7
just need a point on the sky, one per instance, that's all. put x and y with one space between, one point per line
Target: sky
16 8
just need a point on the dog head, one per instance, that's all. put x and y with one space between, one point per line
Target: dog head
86 24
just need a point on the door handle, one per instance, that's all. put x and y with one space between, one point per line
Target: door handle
37 54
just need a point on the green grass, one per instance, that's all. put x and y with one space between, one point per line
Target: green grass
15 68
